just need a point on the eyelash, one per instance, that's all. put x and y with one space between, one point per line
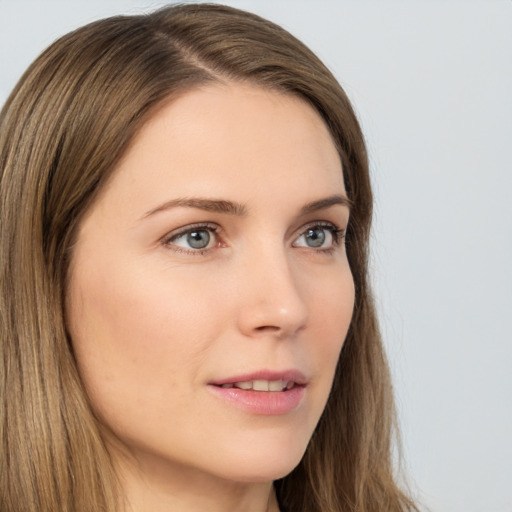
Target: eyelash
338 235
211 228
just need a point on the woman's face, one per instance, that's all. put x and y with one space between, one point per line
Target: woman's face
213 262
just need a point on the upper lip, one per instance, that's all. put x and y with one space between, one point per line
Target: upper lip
292 375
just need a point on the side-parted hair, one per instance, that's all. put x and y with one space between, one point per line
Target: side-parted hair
63 129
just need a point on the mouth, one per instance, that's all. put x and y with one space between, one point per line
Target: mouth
263 392
262 385
264 380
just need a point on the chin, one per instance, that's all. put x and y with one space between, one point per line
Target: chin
258 463
259 473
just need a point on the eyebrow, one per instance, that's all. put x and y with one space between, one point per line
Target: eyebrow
238 209
326 203
210 205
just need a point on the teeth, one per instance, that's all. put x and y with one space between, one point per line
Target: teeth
262 385
275 385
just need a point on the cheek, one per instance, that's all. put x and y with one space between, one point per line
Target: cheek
332 306
135 336
331 312
336 317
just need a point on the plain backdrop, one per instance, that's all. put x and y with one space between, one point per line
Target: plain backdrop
432 84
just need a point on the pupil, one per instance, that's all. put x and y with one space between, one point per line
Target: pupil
198 239
315 237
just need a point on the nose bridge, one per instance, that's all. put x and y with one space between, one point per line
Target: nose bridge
271 298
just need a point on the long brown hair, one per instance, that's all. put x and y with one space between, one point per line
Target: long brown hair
62 131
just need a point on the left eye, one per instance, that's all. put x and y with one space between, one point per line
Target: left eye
318 237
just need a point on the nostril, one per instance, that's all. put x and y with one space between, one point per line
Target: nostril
269 328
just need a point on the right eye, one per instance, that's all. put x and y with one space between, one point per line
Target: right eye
193 239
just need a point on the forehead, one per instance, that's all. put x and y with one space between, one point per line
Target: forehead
217 139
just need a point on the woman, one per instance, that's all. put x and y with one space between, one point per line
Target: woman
186 319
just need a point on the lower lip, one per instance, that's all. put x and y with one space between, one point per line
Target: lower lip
262 402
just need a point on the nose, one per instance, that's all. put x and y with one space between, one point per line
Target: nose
271 303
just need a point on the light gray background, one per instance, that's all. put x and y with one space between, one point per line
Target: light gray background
432 83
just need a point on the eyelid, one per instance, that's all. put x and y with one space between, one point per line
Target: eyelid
327 224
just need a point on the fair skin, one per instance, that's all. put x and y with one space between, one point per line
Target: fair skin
214 255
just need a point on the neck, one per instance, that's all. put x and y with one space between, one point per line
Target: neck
182 489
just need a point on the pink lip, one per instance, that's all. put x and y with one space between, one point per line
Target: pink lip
263 402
